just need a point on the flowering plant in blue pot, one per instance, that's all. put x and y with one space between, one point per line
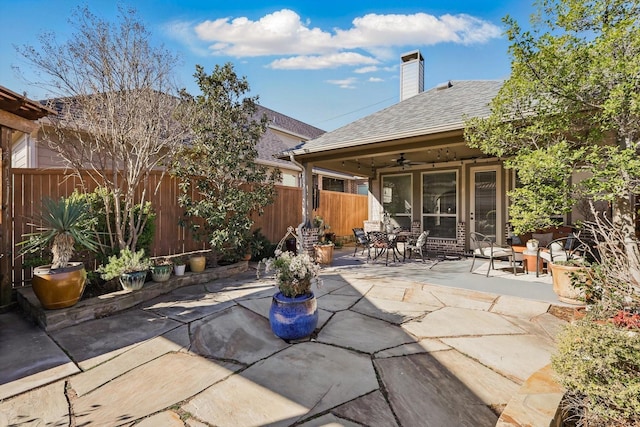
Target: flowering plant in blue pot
294 309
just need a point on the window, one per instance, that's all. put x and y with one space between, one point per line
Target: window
333 184
397 199
440 203
363 188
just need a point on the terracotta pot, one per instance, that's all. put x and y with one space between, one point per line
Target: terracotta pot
197 264
59 288
562 283
324 254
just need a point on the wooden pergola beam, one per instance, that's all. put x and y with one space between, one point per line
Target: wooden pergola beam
17 113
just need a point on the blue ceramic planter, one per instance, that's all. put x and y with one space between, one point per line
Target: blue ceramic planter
293 318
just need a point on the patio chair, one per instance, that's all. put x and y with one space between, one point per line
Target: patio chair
562 249
485 247
418 246
383 244
362 240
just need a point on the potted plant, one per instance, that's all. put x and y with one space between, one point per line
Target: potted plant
179 265
324 246
63 224
197 263
294 309
129 267
161 269
565 276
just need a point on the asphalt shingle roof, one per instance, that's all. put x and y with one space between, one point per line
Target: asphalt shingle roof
436 110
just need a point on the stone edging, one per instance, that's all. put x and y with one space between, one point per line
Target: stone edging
537 402
105 305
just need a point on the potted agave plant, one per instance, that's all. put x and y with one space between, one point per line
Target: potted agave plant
62 224
294 309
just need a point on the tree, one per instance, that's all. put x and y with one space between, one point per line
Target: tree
572 103
116 97
220 181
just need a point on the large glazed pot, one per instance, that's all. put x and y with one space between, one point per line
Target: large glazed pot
61 287
562 283
293 318
197 264
133 281
161 273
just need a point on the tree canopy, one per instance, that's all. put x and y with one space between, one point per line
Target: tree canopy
571 103
221 183
116 95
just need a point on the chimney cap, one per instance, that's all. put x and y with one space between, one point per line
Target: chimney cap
412 56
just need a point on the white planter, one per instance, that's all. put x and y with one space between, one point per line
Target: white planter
179 269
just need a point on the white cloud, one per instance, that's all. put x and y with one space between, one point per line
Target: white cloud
364 70
348 83
370 40
278 33
375 80
335 60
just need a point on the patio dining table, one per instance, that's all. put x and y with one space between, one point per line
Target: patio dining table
385 243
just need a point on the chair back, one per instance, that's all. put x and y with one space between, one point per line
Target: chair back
379 239
422 239
361 236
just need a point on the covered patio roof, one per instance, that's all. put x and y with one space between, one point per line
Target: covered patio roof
428 128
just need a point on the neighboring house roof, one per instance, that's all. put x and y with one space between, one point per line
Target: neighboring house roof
443 108
271 144
21 106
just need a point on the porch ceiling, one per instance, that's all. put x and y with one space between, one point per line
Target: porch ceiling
419 153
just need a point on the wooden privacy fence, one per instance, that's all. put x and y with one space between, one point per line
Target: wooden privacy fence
340 210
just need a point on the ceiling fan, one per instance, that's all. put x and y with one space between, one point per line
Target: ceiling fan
403 161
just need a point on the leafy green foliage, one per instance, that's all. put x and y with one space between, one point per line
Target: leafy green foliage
126 262
599 365
105 224
574 91
62 224
221 185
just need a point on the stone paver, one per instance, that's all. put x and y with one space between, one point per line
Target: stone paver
392 349
45 406
372 410
352 330
301 381
41 360
123 363
150 388
86 343
453 321
442 400
235 334
515 357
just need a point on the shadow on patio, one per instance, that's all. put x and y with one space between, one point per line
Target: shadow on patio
392 348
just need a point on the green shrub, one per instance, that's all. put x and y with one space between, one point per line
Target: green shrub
98 210
126 262
599 365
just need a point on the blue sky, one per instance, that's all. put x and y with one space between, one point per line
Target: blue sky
325 63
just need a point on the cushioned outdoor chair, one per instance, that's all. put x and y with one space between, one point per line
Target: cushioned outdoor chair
362 241
485 247
562 249
418 246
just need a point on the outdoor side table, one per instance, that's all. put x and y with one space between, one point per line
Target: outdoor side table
529 262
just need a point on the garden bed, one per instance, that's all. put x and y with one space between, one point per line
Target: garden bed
107 304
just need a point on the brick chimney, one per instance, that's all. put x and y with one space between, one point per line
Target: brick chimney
411 74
